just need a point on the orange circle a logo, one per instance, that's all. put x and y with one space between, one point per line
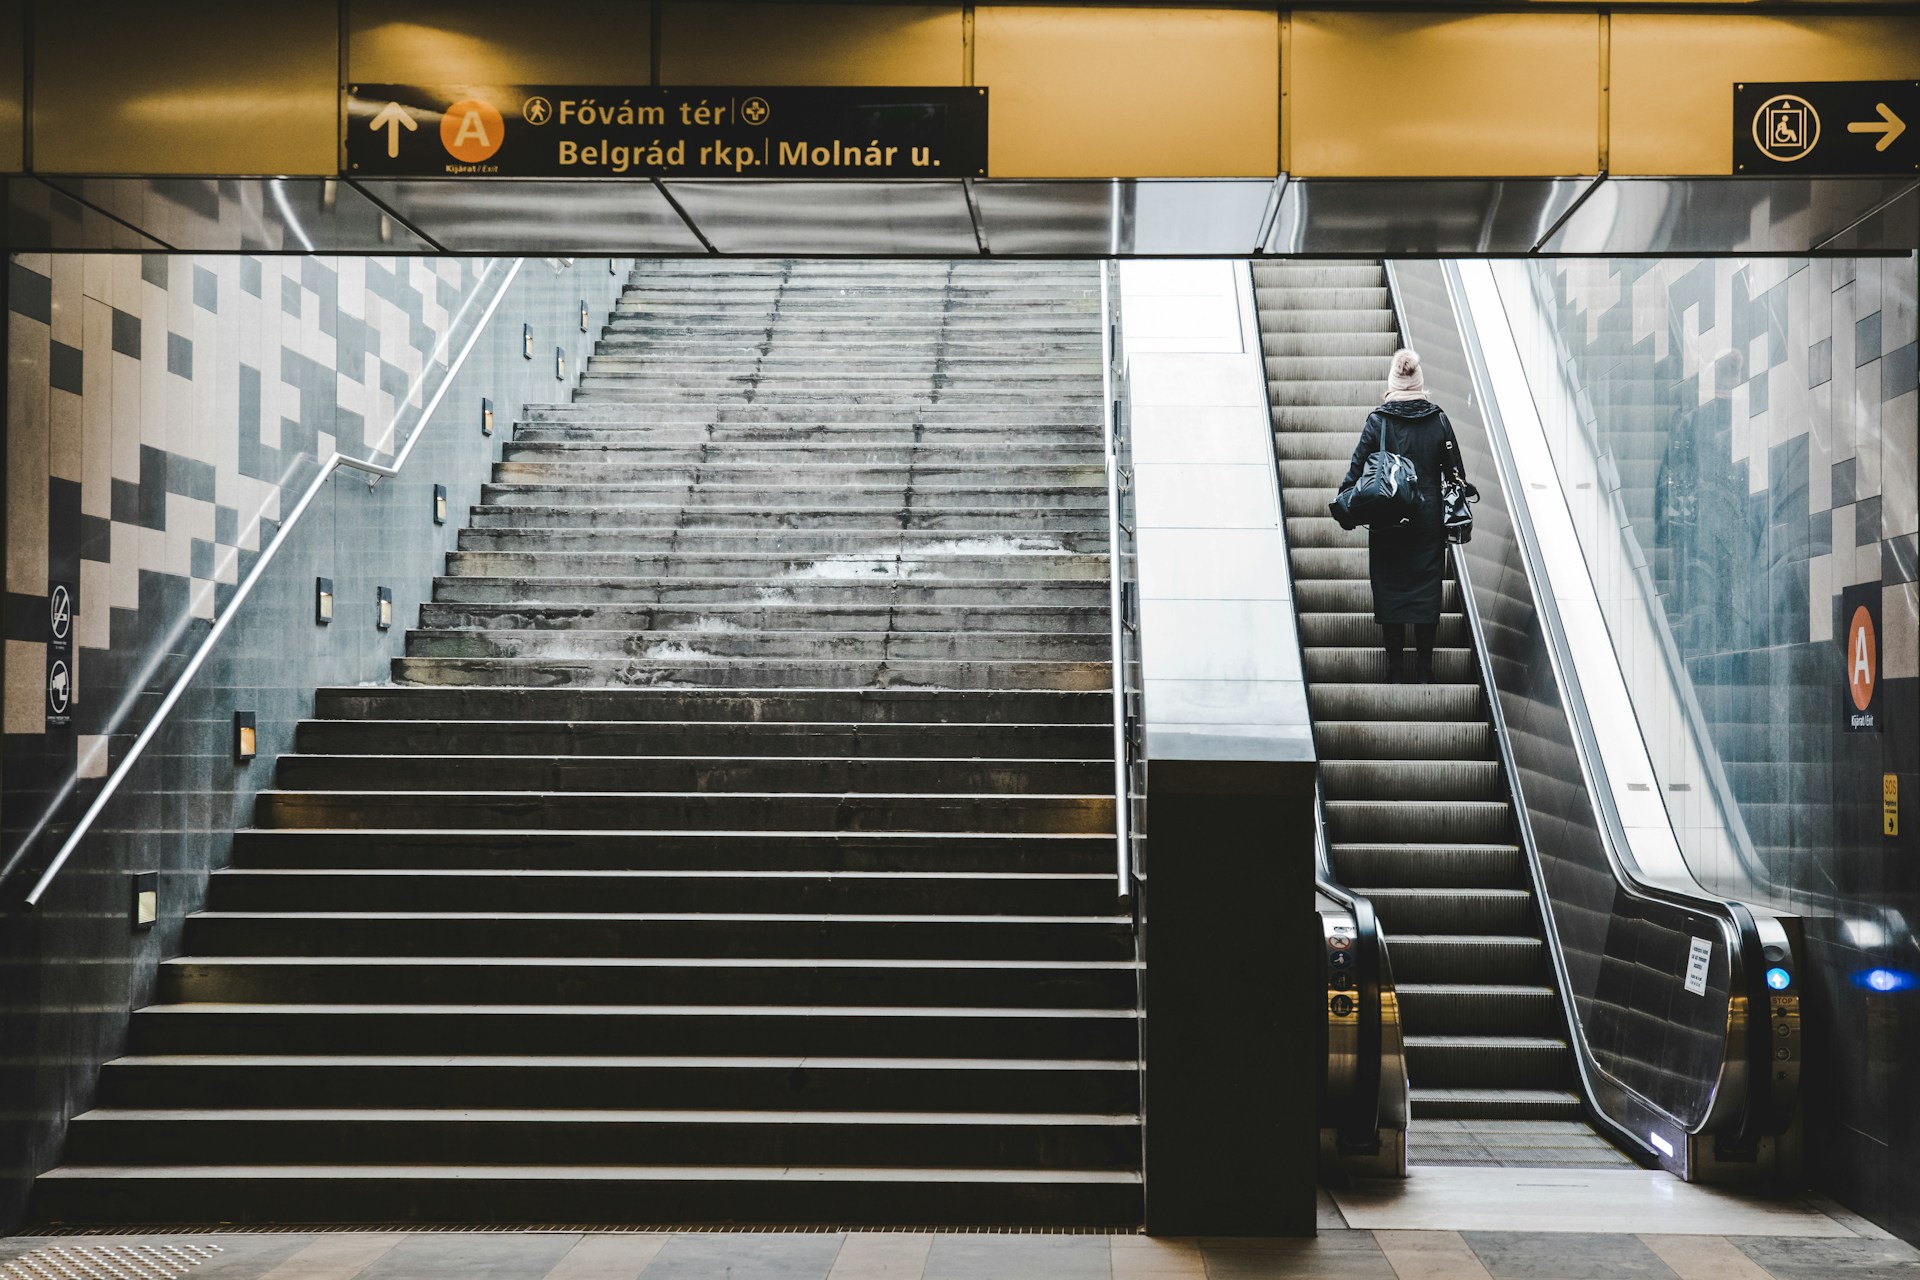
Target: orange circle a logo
472 130
1863 658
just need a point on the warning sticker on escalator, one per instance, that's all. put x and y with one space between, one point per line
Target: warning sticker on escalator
1699 961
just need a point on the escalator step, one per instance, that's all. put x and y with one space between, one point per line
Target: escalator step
1460 741
1498 1062
1472 1104
1385 778
1467 958
1473 1008
1432 866
1431 912
1445 821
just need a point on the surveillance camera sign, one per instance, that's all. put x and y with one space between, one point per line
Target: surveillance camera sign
61 608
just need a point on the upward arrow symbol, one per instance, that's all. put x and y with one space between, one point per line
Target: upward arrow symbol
393 118
1889 126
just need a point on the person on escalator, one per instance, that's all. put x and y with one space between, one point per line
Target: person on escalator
1407 558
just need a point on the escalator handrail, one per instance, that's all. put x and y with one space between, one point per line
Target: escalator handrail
1740 936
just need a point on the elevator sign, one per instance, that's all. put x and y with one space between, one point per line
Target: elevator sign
1827 127
615 131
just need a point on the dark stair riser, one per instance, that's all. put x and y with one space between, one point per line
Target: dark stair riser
516 774
796 1032
705 935
774 1140
858 706
627 891
743 852
558 738
584 981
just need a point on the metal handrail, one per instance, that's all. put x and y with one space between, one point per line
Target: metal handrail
336 461
1739 935
1111 355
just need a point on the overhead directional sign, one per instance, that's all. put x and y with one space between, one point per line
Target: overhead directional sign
575 131
1827 127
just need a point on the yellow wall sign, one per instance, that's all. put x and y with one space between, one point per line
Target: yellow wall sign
1890 803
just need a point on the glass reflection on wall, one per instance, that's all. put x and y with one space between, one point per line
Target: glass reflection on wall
1736 440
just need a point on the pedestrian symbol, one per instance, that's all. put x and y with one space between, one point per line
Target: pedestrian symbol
537 110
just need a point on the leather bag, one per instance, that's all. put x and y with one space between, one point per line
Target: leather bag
1387 492
1456 507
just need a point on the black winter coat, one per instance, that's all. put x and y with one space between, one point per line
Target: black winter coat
1406 562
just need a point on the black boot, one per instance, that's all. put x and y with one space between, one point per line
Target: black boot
1396 666
1423 669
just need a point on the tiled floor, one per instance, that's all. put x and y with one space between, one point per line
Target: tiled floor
1655 1233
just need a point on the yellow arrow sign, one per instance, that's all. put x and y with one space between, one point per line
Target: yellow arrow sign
1889 126
395 118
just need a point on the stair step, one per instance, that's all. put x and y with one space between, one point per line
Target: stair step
636 738
687 811
800 1031
534 1137
520 850
701 934
591 1194
602 980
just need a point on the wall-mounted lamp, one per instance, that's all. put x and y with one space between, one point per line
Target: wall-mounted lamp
583 315
384 597
526 341
486 416
439 504
146 898
323 600
246 742
613 266
559 362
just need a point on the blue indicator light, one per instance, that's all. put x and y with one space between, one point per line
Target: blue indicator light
1779 979
1884 980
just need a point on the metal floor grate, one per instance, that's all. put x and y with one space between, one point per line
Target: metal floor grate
107 1262
533 1228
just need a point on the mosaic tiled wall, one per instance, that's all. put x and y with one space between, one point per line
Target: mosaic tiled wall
161 410
1798 382
154 486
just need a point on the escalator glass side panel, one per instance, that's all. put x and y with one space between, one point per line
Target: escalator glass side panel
1654 1050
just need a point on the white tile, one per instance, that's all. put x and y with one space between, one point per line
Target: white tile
1235 640
889 1256
1184 380
91 750
67 271
1199 496
608 1257
1212 564
1213 702
1626 1200
93 625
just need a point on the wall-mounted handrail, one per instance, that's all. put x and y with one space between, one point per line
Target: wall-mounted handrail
336 461
1111 354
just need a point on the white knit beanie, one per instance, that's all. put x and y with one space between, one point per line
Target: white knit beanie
1404 379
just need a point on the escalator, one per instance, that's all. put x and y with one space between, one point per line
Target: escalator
1494 854
1417 816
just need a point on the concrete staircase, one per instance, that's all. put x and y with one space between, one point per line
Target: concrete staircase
1418 814
732 843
